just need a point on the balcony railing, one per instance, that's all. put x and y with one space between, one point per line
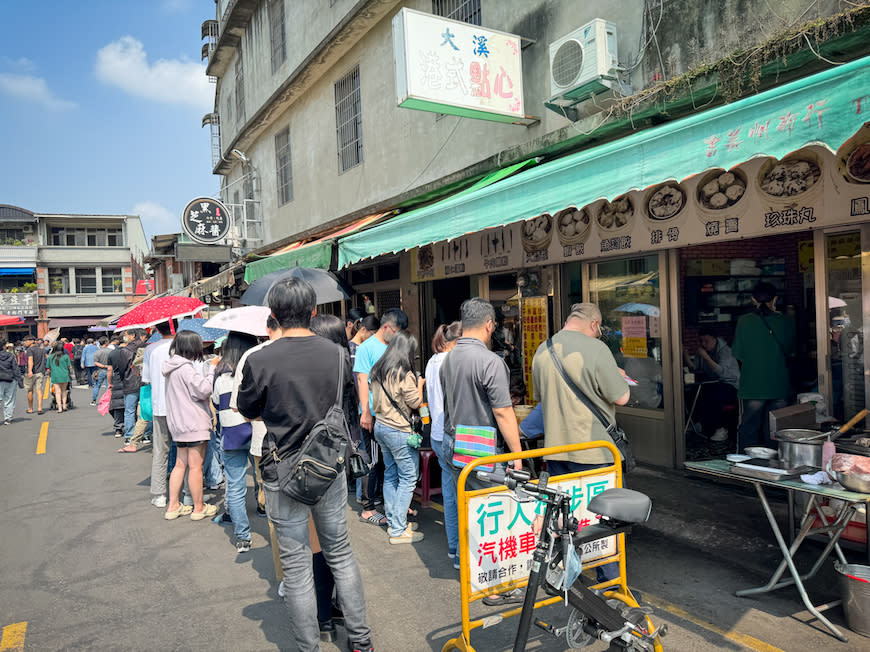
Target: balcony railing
18 253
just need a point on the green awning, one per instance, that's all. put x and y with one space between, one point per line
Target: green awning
316 254
827 108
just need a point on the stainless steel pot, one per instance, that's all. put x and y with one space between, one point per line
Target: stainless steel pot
799 453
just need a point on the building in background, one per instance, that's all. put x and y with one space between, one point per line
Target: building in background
420 209
67 271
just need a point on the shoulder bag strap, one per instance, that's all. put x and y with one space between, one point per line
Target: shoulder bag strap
773 335
339 390
395 405
577 391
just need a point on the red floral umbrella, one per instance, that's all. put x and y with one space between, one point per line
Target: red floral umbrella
160 309
9 320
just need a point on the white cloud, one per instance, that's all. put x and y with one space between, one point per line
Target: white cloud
21 64
32 89
124 63
156 218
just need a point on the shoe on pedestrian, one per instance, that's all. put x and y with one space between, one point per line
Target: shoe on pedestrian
93 404
183 510
408 536
119 434
721 434
146 441
261 511
129 448
327 631
159 501
243 545
207 511
281 589
511 597
456 562
226 518
7 422
451 554
360 646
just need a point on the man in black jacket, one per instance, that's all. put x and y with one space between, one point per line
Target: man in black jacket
10 376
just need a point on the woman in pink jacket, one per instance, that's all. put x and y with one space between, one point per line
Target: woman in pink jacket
188 415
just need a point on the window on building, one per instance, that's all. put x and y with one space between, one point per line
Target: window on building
58 280
348 120
113 279
468 11
11 236
277 31
282 166
240 88
115 237
86 280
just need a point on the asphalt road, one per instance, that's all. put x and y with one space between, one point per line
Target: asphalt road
89 564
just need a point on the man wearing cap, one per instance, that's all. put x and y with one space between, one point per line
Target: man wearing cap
35 373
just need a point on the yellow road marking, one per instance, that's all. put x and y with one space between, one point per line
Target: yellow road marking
40 444
13 636
47 391
741 639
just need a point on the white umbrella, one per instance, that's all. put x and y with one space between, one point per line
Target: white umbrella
247 319
835 302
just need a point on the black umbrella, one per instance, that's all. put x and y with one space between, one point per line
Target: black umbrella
327 286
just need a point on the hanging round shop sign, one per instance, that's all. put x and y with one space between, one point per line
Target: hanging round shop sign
206 220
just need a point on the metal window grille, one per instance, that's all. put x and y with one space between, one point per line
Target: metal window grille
283 168
387 299
468 11
348 120
240 88
110 275
277 31
86 280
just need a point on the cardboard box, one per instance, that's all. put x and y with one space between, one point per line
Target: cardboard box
715 267
793 416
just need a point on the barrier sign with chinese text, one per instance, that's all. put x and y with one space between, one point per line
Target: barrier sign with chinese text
448 66
19 304
500 536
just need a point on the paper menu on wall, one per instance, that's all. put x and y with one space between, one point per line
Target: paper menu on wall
634 327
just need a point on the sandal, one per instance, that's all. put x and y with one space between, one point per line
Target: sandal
207 511
129 448
182 510
375 519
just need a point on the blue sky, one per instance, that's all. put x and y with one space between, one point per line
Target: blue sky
101 103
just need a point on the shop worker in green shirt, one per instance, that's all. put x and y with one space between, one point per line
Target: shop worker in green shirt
764 340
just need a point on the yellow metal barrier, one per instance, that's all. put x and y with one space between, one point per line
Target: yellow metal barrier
618 588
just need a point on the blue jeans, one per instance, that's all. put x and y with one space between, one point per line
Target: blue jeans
90 372
131 402
235 469
212 472
401 463
448 495
290 519
606 572
8 390
101 379
754 428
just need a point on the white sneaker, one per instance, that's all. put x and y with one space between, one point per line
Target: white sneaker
281 589
408 536
721 434
159 501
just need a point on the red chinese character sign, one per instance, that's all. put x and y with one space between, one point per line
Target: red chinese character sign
500 536
206 220
447 66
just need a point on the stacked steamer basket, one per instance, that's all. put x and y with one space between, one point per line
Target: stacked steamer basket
537 233
572 225
791 182
615 218
721 195
665 204
853 158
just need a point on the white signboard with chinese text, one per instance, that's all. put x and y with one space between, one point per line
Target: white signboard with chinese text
500 537
19 304
447 66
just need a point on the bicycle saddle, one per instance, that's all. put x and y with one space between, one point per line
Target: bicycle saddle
622 505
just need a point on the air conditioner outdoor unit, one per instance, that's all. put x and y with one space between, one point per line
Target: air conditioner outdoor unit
583 63
27 228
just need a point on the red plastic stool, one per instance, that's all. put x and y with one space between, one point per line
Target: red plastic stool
425 489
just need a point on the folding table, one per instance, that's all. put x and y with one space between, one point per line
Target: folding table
833 528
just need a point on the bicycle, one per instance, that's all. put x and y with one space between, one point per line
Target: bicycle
606 614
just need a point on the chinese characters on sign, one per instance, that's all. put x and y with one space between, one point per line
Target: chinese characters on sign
500 536
534 318
452 67
206 220
19 304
